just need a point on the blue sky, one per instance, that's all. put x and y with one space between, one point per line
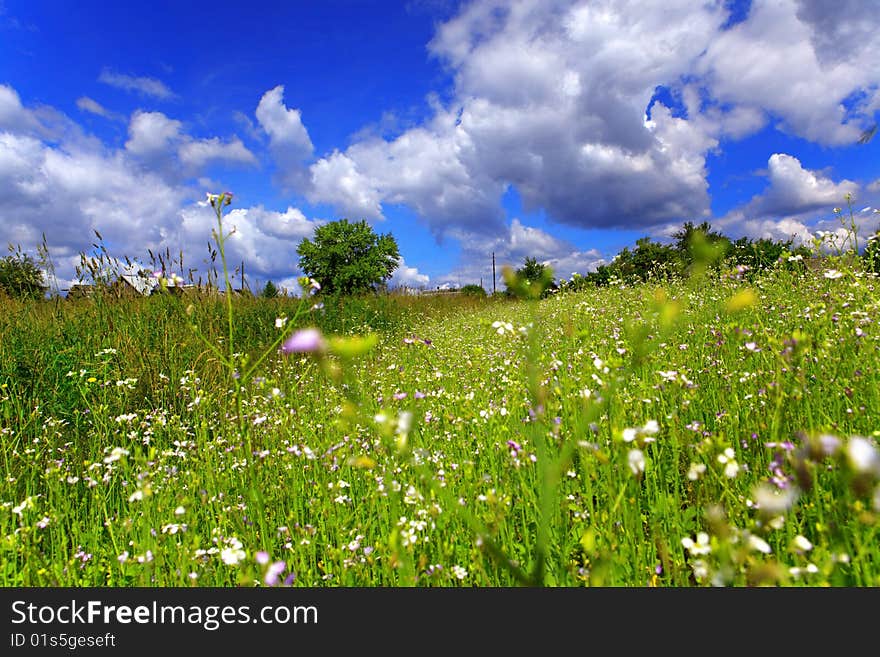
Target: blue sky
555 129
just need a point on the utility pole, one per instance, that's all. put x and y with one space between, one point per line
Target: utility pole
493 272
242 276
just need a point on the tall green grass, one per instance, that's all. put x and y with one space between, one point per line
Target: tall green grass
480 442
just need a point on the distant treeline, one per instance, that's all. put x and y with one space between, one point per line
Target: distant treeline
699 246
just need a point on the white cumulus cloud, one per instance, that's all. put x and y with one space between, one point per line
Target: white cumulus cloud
68 186
559 99
161 142
197 153
410 277
152 133
796 203
289 140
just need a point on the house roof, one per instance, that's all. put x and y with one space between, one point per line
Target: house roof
143 284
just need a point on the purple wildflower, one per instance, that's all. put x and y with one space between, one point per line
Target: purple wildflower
304 341
274 572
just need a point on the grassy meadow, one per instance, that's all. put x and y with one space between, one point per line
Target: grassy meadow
714 431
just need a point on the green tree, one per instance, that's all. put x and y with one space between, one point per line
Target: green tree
654 260
532 279
532 270
348 257
762 253
601 276
270 291
700 245
20 277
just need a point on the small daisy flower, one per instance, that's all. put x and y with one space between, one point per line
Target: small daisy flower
801 544
502 327
728 459
641 435
696 471
115 454
759 544
699 547
233 553
636 461
862 455
772 501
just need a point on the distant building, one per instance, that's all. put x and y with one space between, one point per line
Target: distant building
80 291
141 284
132 286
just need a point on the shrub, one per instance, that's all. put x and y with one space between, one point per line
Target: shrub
473 290
20 277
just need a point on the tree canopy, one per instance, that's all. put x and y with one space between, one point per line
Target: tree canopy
533 279
20 277
348 257
694 246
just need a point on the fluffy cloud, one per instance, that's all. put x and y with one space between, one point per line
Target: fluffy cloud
152 133
796 203
800 61
12 114
424 168
289 140
68 193
794 190
264 240
336 180
406 276
69 187
198 153
41 121
525 241
160 141
551 97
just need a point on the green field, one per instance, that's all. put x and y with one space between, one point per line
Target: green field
714 431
